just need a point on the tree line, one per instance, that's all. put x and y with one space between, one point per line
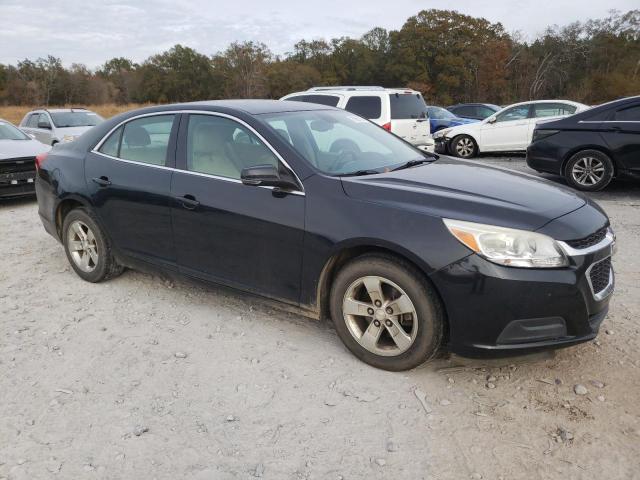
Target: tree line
448 56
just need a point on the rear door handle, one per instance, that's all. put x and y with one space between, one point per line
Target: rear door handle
102 181
189 202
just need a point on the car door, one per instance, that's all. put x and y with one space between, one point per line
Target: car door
248 237
409 118
128 177
44 127
507 130
622 134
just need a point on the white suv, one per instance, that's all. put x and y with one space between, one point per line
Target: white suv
51 126
400 111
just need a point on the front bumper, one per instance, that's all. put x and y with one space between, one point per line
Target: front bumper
495 310
441 145
16 184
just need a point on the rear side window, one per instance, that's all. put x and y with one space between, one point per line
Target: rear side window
329 100
553 109
144 140
367 107
630 114
406 105
112 145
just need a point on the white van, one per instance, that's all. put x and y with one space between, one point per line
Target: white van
400 111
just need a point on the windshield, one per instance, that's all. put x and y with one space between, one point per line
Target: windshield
9 132
440 113
75 119
339 143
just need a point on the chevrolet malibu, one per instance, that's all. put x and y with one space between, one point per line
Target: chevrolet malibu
320 208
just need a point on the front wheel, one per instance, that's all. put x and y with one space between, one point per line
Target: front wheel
88 249
386 313
589 170
464 146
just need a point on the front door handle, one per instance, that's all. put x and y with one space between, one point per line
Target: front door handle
102 181
189 202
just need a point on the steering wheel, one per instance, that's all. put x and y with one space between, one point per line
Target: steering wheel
347 151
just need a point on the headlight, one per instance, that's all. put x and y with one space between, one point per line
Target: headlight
441 133
507 246
69 138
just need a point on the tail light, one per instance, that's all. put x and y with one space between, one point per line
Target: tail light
387 126
40 158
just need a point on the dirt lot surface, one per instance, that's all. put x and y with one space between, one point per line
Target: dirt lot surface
145 378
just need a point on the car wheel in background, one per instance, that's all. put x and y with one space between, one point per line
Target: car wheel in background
88 249
589 170
386 313
464 146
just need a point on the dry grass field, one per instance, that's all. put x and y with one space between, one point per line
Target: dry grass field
14 114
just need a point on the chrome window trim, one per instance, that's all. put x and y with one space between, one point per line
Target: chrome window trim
607 242
97 147
609 121
606 291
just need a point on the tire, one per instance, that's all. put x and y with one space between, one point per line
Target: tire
464 146
421 318
589 170
81 235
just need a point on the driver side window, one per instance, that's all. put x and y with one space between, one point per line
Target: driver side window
519 112
223 147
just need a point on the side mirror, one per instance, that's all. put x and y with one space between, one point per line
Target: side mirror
45 125
267 176
491 120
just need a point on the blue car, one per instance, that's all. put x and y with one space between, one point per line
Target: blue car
440 118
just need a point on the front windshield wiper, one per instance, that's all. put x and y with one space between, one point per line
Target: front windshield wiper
413 163
358 173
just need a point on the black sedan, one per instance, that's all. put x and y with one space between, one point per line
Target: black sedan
591 148
322 209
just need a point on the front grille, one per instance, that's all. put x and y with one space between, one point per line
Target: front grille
17 165
600 275
589 241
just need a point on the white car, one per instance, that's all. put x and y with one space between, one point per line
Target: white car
51 126
402 112
18 153
508 130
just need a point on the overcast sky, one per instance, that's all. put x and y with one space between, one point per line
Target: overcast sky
92 31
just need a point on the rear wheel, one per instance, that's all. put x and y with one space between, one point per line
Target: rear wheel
589 170
386 313
88 249
464 146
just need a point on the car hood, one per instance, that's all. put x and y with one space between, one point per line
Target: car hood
21 148
463 121
75 131
462 190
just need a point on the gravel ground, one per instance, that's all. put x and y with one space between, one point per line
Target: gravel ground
143 377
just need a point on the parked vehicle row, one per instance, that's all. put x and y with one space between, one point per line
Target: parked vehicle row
508 130
17 161
322 209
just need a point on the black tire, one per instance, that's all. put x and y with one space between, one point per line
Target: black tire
464 146
581 160
430 314
106 266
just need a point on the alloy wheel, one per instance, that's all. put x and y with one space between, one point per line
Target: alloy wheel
588 171
465 147
380 316
82 246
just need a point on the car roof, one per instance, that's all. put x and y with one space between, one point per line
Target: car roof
252 107
353 90
475 104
